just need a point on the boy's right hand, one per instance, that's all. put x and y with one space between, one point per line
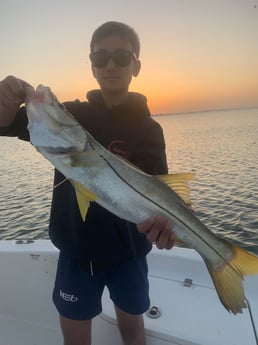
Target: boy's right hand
12 95
158 230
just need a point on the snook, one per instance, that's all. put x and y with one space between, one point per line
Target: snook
100 176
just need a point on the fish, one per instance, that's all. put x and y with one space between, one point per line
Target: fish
100 176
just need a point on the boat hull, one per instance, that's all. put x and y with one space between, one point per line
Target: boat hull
180 287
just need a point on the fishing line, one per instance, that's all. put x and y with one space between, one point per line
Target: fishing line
60 183
252 320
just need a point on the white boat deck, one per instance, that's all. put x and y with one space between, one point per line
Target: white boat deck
190 315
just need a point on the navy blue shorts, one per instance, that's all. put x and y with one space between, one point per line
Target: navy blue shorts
78 291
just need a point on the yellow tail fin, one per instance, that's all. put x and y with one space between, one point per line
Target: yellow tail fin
228 280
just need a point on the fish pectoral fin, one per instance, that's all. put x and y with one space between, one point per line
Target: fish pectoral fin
179 184
228 280
84 197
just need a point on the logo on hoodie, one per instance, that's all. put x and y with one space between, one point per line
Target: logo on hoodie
119 147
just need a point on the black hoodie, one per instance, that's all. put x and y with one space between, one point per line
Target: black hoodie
127 130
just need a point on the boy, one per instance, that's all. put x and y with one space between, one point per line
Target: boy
105 250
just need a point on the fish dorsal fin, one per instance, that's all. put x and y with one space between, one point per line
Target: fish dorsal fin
84 197
179 184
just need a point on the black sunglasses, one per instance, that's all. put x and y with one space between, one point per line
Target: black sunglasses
121 58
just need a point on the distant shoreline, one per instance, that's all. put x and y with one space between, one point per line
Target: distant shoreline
203 111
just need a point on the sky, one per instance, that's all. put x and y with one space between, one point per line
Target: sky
195 54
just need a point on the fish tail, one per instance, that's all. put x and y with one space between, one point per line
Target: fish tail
228 280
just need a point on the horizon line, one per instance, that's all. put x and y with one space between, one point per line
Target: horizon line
205 111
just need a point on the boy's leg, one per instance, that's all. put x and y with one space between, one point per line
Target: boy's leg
131 327
129 291
76 332
77 297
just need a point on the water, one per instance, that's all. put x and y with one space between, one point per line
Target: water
220 147
25 190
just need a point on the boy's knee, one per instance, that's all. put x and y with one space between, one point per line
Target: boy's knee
76 332
132 333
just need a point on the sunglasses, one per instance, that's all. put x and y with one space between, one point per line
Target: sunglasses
120 57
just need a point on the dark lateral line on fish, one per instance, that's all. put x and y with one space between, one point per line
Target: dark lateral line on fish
159 206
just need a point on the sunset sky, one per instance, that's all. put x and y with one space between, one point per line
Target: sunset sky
196 54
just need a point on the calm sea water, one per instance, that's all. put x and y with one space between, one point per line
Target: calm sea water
220 147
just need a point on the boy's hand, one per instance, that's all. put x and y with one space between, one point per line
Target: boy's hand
158 230
12 95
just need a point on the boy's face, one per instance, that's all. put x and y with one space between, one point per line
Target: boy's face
112 77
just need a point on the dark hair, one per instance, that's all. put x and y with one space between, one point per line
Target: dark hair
119 29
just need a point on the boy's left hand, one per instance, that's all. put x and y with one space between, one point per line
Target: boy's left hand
158 230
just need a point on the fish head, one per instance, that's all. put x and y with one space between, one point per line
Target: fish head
52 128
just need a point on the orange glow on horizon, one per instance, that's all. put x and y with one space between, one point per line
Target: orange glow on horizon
198 98
171 90
175 99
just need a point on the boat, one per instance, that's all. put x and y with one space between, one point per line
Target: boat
185 308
